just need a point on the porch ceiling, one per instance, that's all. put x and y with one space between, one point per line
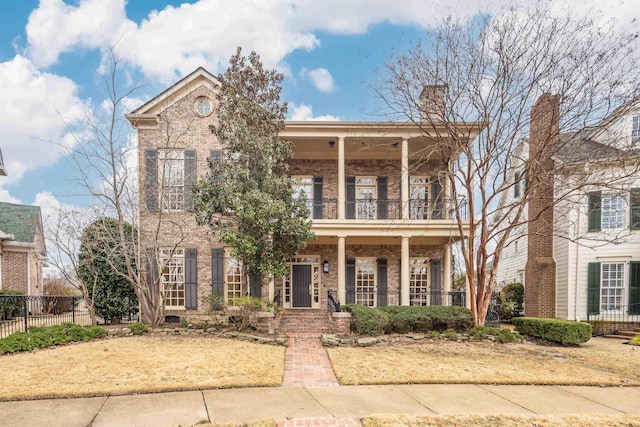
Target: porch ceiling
380 147
378 240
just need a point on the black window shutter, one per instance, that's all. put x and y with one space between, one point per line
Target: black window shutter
593 288
635 209
318 207
151 179
350 196
382 282
595 211
350 280
436 199
516 185
634 287
191 279
382 198
189 177
152 270
217 272
255 285
436 282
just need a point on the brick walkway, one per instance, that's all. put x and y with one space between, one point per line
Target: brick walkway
325 422
306 363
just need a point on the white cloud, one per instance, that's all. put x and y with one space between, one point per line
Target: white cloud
305 112
33 112
6 197
321 79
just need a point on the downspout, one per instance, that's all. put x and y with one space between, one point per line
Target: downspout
575 296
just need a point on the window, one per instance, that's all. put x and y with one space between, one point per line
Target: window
172 262
236 286
366 281
635 208
304 186
612 283
613 211
366 197
516 185
172 178
635 129
202 106
419 197
419 289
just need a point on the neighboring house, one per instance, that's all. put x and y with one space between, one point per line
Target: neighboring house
22 248
3 170
380 212
595 247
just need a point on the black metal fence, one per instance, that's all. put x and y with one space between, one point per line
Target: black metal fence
618 318
19 312
386 298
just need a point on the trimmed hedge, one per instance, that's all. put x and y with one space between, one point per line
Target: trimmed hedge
42 337
402 319
565 332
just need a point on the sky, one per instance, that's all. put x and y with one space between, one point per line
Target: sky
330 51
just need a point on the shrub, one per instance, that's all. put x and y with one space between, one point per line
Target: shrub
11 307
42 337
511 301
561 331
137 328
449 334
367 320
502 335
635 340
404 319
246 309
214 302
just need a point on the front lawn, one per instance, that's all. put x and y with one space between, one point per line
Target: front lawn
139 364
598 362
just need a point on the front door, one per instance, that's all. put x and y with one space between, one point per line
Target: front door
301 285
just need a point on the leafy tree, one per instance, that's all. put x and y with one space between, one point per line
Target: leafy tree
248 198
101 261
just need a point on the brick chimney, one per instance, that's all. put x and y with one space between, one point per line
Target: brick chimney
540 270
432 102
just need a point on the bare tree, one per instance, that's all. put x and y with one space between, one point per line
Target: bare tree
491 71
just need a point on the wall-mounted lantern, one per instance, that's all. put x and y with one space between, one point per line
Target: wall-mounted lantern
325 266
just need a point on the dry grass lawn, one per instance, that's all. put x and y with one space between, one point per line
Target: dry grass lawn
504 421
601 361
141 364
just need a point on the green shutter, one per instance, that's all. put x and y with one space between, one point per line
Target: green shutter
189 177
318 206
382 282
217 272
255 285
635 209
634 288
595 210
151 179
593 288
516 185
190 279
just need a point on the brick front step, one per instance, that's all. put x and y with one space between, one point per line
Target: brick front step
305 320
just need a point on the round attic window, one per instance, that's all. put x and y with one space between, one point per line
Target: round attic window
202 106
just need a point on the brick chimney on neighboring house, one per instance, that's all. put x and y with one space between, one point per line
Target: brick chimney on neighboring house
432 102
540 270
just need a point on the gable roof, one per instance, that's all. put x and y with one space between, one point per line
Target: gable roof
22 221
186 84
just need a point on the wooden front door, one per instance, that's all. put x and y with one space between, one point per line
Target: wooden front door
301 285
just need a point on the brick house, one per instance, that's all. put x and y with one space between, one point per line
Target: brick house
587 265
22 248
380 212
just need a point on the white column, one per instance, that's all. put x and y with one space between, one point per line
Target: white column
272 288
404 273
341 178
404 178
342 290
446 272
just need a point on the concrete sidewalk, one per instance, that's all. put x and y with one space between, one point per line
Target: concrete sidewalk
344 402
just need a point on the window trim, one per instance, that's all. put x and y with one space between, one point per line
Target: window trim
370 205
243 280
168 190
614 215
167 257
360 291
426 263
606 290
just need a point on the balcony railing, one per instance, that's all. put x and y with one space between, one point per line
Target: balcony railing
387 298
381 209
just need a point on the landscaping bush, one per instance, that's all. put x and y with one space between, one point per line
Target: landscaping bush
561 331
502 335
404 319
10 307
367 320
511 301
635 340
42 337
137 328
